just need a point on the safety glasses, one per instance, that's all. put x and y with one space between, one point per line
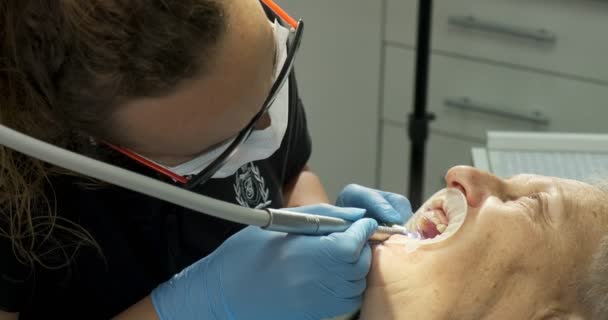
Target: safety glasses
296 29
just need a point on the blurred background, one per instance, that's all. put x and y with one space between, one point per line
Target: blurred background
506 65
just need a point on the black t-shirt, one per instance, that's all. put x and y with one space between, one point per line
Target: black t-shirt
144 241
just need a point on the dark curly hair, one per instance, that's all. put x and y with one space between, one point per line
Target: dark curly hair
65 65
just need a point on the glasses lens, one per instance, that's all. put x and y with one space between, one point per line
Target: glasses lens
293 44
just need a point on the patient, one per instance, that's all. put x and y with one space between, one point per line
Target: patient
530 248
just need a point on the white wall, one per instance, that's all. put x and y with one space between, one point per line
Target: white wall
338 71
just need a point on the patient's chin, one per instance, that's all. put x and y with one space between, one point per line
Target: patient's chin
378 304
381 260
392 263
397 302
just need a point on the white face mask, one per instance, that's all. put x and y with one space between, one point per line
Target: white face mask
261 144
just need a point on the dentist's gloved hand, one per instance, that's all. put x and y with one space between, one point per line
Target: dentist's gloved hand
384 207
259 274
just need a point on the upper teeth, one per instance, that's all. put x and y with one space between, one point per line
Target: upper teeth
441 227
435 220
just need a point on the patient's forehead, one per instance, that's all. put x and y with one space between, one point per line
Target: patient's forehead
566 187
535 179
587 202
578 198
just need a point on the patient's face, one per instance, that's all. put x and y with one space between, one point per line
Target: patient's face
523 243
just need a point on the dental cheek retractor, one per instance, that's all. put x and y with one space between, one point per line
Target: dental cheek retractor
451 202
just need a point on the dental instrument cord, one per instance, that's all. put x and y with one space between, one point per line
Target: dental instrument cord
137 182
270 219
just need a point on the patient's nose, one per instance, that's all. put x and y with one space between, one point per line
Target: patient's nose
475 184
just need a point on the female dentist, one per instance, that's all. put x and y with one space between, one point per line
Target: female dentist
197 93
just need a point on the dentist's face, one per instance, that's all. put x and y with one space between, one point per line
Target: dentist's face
213 107
524 243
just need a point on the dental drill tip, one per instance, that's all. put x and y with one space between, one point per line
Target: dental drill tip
414 235
391 230
384 232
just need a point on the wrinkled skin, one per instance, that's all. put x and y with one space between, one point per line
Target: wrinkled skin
525 241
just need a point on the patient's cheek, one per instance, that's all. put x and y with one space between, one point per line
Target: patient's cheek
380 261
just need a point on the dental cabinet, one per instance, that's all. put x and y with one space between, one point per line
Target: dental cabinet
505 65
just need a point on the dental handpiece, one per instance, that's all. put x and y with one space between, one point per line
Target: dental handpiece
384 232
283 220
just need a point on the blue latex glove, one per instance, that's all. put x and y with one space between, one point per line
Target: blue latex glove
259 274
384 207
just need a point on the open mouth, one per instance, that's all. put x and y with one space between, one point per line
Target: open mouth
433 221
438 218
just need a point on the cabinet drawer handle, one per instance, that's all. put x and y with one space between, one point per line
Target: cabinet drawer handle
471 22
535 117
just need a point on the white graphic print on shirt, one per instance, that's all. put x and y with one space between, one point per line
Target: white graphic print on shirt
250 188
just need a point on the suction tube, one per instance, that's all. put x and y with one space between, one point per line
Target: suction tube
276 220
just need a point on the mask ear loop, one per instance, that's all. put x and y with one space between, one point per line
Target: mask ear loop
281 13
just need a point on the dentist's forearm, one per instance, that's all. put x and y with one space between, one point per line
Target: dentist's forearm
305 189
143 310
